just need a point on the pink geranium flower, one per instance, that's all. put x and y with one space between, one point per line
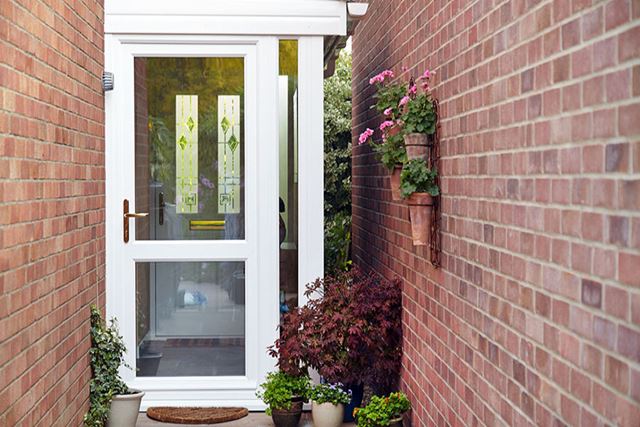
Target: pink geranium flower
379 78
386 124
427 74
364 136
413 90
388 111
404 101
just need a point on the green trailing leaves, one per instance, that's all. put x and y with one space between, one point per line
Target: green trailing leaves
107 354
416 177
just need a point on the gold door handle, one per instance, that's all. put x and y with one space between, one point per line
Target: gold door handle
136 215
126 215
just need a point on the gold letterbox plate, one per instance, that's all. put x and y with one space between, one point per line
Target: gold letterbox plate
206 224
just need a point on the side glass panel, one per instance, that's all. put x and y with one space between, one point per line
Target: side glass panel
288 159
190 319
189 148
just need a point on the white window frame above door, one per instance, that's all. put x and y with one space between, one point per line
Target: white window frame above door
258 249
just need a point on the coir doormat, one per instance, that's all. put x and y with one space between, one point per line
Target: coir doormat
179 415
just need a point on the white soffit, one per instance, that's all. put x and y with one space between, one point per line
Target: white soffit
266 17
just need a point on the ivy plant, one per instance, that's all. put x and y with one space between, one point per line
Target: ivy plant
280 388
107 354
416 177
420 115
382 410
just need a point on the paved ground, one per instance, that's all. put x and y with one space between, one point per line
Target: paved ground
255 419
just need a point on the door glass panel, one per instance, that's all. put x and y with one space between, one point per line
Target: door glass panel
189 148
190 319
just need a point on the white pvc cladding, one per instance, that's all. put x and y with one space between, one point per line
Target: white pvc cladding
226 17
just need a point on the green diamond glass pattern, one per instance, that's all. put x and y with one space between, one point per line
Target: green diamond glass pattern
182 142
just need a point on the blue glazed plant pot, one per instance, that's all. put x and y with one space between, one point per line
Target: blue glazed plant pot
357 393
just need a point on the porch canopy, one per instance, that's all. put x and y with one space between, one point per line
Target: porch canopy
335 20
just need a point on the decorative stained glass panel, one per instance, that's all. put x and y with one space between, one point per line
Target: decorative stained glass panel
229 149
186 154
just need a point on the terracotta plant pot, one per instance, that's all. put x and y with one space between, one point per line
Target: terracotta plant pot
393 130
395 182
327 414
124 409
288 417
417 145
420 208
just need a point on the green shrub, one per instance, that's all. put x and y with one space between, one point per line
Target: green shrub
337 165
338 242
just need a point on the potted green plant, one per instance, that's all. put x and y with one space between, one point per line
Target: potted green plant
418 186
112 403
418 118
383 411
284 395
328 402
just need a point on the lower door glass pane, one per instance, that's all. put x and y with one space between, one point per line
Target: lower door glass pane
190 319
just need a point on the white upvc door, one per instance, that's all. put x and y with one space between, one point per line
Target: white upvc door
198 300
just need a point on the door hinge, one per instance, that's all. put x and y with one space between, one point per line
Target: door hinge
107 81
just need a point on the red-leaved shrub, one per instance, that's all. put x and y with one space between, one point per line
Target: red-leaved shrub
350 331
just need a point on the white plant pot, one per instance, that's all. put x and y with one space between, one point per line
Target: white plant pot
124 409
327 414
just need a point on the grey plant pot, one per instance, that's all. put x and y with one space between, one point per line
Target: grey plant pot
124 409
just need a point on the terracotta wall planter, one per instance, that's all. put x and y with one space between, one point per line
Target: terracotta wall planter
395 182
420 209
417 145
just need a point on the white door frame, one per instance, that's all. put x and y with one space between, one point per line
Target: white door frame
258 250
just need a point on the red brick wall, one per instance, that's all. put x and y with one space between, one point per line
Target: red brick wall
534 317
51 206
